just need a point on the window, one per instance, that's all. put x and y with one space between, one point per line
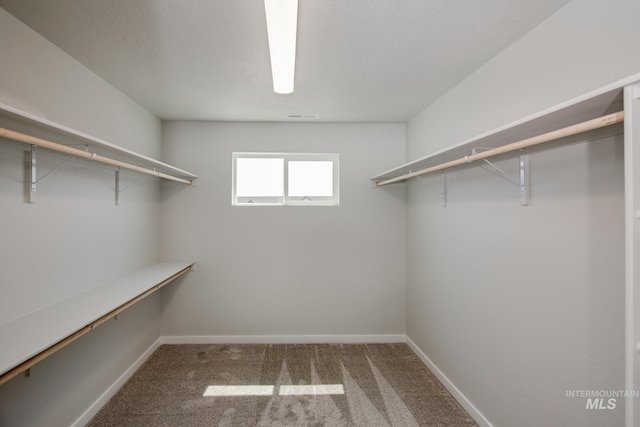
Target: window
298 179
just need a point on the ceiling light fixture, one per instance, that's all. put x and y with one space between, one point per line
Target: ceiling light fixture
282 23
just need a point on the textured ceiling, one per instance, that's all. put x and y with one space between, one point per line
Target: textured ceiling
358 60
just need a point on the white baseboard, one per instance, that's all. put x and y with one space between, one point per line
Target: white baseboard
112 390
455 392
282 339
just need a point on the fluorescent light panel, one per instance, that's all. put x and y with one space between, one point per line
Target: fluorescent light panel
282 23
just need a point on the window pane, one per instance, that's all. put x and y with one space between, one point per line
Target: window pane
259 177
310 178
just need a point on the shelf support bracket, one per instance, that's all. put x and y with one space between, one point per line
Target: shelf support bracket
443 186
33 172
55 169
443 194
523 177
495 168
117 186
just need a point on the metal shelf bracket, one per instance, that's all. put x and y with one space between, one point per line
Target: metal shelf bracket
443 193
117 192
33 172
525 181
31 198
443 187
118 185
523 176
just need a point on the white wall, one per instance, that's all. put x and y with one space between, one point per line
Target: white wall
580 48
285 270
74 237
516 305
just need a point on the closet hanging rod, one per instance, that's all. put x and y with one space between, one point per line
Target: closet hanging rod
28 139
597 123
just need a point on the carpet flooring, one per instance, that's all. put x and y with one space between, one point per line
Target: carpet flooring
283 385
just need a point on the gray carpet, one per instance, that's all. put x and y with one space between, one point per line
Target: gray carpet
270 385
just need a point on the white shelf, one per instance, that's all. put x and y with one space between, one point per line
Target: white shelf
596 104
30 335
21 121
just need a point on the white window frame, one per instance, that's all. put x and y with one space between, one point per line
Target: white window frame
334 200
